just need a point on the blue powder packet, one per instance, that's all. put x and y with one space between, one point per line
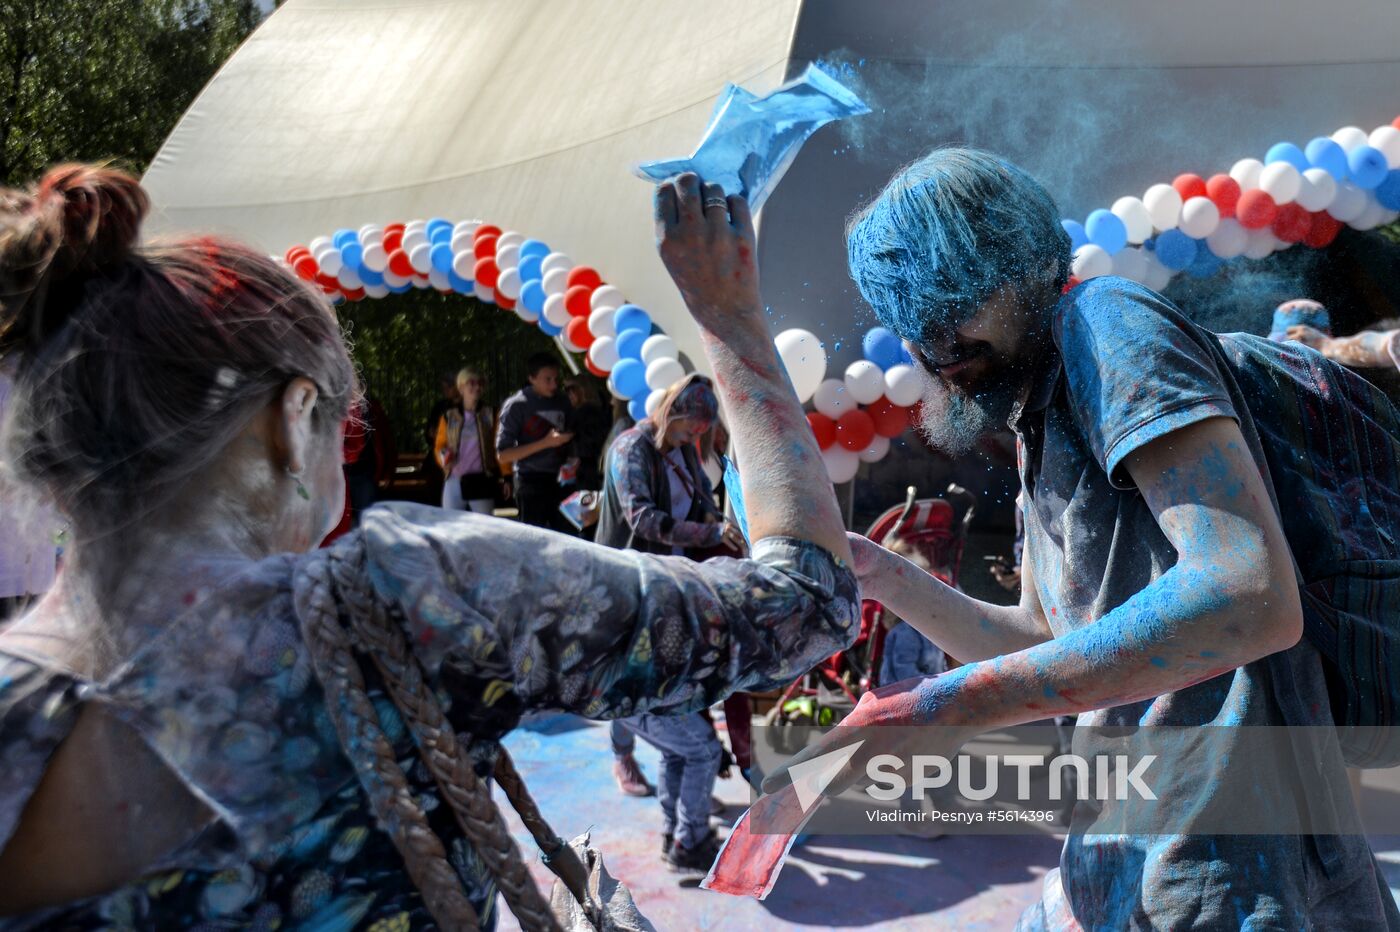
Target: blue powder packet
735 495
751 141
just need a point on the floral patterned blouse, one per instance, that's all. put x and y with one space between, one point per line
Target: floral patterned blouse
505 617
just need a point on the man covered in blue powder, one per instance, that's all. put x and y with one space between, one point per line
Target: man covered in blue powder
1192 503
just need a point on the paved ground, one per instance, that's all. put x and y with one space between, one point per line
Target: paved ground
955 882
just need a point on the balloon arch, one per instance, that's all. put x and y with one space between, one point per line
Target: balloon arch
1196 225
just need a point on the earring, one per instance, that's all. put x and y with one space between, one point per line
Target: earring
301 487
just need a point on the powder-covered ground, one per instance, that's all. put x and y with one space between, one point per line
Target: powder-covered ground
867 882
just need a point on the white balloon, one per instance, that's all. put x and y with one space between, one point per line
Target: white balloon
509 284
841 464
375 258
483 293
319 245
1135 216
864 381
464 228
1158 275
330 261
1200 216
394 280
556 281
569 345
554 310
464 264
1229 239
1349 137
556 260
832 399
606 296
603 352
1370 217
1246 173
371 233
654 401
1131 263
1163 204
438 279
1090 261
414 226
804 358
1281 181
1317 190
412 241
659 346
462 243
421 282
507 258
509 238
1261 244
663 373
1387 139
600 322
876 451
376 291
525 314
902 386
349 278
1349 202
421 258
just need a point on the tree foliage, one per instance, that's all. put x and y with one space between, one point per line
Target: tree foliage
91 80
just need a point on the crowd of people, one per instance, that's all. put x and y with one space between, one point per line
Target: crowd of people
207 707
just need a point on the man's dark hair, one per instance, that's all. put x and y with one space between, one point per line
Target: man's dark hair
538 361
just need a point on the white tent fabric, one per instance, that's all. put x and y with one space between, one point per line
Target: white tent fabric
524 113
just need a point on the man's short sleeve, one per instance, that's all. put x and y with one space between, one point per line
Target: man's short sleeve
1136 369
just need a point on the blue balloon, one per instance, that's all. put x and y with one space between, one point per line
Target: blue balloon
343 238
532 296
629 343
1388 191
637 407
406 286
630 377
353 255
533 247
1324 153
550 329
441 256
460 284
1206 262
1175 249
436 224
631 317
1106 231
530 268
1368 166
1077 235
1288 152
440 235
881 347
369 276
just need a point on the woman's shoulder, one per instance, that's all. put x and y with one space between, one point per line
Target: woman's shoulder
38 708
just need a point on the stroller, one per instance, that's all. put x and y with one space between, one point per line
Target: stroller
934 527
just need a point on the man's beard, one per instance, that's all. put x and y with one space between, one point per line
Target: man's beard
953 419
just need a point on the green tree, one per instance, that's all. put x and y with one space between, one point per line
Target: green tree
90 80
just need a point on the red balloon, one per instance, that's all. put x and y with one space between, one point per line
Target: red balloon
1189 186
486 273
823 428
578 333
1072 283
1395 122
1324 229
1292 223
306 267
354 294
296 252
399 264
504 303
485 230
328 281
485 247
1255 209
600 373
583 275
1225 192
890 419
394 228
393 238
855 430
576 302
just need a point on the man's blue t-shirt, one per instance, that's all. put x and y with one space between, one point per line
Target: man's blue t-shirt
1134 369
